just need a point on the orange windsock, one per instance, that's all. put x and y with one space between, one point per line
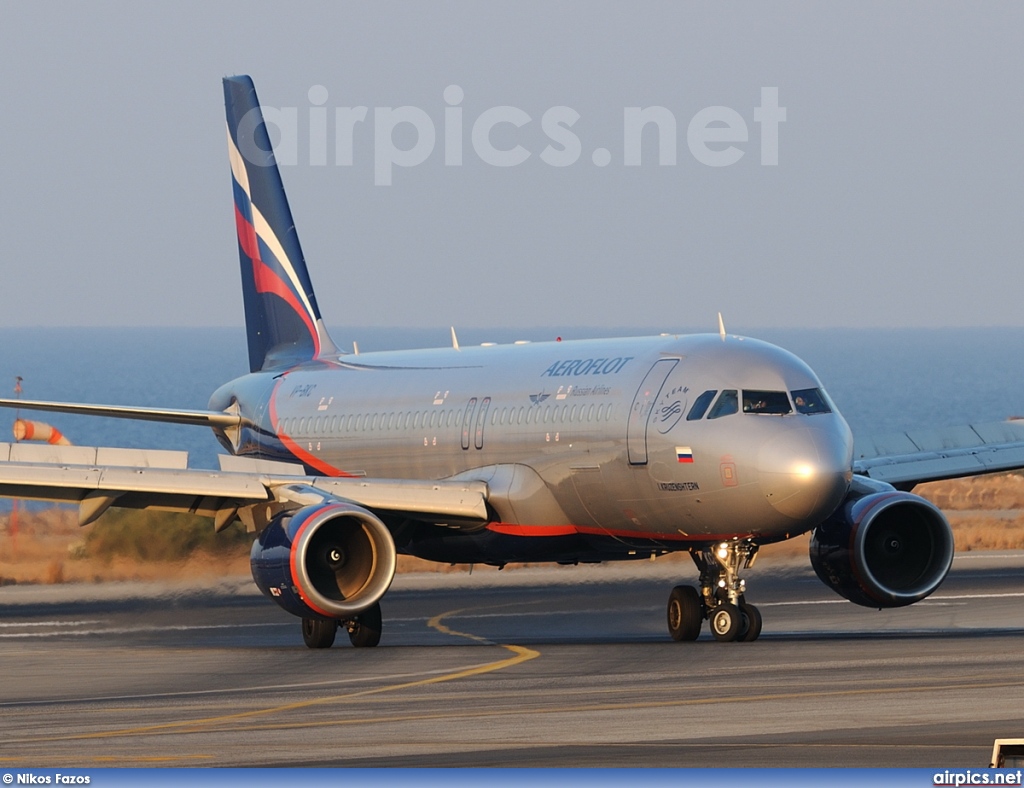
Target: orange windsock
25 430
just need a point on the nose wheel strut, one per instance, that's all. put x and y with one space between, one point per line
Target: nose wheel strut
721 596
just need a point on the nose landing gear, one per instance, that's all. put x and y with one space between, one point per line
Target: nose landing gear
720 599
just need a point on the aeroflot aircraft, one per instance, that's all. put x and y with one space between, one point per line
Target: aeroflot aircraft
570 452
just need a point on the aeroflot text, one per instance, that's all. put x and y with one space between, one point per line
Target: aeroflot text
586 366
976 778
712 134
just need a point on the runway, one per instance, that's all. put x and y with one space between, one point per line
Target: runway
551 667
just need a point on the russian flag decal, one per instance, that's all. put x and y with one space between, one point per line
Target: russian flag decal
684 454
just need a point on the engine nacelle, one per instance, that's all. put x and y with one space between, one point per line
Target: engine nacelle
883 549
329 560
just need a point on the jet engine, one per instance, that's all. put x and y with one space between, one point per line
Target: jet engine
329 560
883 548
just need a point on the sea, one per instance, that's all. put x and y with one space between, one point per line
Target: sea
883 380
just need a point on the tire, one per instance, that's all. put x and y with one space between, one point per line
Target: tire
685 613
319 632
366 632
726 621
752 623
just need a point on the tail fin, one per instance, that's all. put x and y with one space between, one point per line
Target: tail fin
282 319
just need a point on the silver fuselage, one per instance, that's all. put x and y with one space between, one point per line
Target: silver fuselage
588 435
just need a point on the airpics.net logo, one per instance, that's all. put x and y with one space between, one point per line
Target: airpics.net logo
407 136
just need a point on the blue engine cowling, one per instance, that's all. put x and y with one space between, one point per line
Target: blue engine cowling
329 560
883 548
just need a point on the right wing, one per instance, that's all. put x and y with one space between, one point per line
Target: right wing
201 418
97 478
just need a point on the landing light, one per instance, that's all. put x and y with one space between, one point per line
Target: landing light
723 551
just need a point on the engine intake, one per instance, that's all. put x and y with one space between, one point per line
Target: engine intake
329 560
883 549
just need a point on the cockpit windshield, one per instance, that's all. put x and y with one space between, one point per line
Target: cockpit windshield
726 404
766 402
811 401
700 405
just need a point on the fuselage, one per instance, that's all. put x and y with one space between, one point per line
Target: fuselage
680 439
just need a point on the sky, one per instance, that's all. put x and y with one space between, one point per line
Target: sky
895 200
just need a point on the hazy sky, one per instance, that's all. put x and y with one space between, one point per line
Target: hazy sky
896 200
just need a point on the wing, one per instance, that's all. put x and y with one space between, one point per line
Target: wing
97 478
202 418
906 459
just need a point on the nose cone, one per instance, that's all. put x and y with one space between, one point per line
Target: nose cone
806 471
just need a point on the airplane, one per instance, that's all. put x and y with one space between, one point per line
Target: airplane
568 452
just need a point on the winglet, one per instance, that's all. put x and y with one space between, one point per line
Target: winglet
282 319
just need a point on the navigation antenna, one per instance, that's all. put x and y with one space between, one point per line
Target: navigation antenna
455 339
721 327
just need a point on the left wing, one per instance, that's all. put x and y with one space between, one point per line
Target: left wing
906 459
97 478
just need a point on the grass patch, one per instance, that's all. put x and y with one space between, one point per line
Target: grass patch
160 536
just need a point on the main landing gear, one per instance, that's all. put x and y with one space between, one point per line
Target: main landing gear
720 599
363 630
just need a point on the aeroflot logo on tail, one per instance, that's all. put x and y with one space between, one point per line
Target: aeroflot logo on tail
716 136
586 366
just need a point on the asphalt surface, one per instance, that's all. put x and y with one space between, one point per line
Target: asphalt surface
554 667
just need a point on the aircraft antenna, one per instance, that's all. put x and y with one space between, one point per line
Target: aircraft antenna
455 339
721 326
355 348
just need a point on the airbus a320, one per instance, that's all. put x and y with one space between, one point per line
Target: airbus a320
575 451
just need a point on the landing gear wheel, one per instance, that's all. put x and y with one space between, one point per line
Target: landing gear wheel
752 623
685 613
319 632
726 621
364 632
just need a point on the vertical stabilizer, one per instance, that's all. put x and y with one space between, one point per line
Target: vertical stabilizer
282 320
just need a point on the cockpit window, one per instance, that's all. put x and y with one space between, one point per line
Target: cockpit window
727 404
811 401
766 402
700 405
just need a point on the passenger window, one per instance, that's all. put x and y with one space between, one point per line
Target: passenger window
811 401
774 403
700 405
727 404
